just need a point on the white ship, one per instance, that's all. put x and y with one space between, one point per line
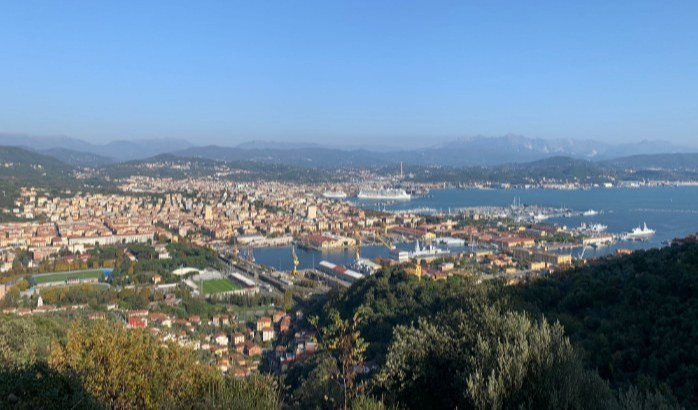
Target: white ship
429 251
334 195
450 241
590 212
639 234
595 228
384 194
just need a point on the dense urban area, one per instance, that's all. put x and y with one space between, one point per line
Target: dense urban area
164 266
348 205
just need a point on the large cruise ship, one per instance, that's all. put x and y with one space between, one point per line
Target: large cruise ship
639 234
384 194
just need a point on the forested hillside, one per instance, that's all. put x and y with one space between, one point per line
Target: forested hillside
632 322
635 317
617 334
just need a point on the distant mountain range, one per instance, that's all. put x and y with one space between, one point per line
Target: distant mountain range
473 151
73 151
483 151
22 167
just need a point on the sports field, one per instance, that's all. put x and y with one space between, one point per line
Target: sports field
218 286
63 276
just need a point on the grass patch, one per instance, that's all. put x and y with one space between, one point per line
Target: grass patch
218 286
63 276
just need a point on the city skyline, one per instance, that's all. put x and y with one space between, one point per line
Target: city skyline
350 74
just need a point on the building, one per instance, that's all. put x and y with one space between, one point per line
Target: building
221 339
327 241
598 240
278 315
252 349
312 212
515 242
135 322
267 335
548 258
264 322
339 272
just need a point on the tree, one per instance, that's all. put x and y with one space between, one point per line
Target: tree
130 369
343 340
103 365
486 359
288 300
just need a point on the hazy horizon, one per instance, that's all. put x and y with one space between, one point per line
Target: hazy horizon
384 74
410 144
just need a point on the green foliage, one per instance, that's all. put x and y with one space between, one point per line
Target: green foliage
103 365
485 359
313 384
369 403
391 298
343 340
24 341
288 300
94 295
457 343
38 386
636 317
252 393
148 264
129 369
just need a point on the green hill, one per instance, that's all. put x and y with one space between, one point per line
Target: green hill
635 317
20 167
619 333
632 320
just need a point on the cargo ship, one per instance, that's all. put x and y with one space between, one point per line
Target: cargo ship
384 194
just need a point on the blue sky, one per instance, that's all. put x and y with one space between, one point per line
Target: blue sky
350 73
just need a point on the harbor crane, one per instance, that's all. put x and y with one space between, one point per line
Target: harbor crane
384 242
357 251
581 255
296 262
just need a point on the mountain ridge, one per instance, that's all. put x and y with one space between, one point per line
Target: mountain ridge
466 151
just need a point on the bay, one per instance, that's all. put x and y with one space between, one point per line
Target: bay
671 211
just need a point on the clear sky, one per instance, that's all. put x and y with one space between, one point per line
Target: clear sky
351 72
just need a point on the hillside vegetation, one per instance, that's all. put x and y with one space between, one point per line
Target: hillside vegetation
617 334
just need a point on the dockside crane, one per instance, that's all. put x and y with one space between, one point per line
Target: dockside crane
357 251
296 262
384 242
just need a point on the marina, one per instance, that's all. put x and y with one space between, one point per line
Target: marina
670 212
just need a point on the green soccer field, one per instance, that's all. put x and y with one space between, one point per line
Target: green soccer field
218 286
62 276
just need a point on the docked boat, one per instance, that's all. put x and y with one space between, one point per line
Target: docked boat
428 251
449 241
334 195
384 194
590 212
594 228
641 233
